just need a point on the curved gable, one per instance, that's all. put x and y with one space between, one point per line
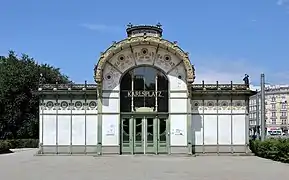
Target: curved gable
143 50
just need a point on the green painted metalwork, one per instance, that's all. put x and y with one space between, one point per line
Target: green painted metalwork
162 141
155 135
189 128
144 135
99 123
125 135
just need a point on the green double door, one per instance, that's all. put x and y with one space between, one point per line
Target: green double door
144 135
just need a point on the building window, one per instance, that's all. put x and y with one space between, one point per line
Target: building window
283 106
273 121
144 87
273 99
283 121
273 114
273 106
283 114
252 122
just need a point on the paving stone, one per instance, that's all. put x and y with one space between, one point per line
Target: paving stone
24 165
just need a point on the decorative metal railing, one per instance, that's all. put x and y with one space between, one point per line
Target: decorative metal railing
68 86
218 86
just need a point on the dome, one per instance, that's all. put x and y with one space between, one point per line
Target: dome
144 30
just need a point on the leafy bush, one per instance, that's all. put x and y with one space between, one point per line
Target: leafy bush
23 143
274 149
19 102
6 145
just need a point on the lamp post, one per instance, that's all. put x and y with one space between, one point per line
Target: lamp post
263 122
258 115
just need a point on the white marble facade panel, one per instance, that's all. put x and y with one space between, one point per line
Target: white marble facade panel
110 130
123 60
144 55
224 129
111 78
198 128
166 60
178 126
91 129
78 130
40 128
180 95
110 105
210 129
239 129
63 129
178 105
49 129
177 78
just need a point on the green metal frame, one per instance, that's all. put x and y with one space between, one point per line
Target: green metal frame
142 145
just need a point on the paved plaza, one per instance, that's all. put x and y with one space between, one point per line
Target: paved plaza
25 166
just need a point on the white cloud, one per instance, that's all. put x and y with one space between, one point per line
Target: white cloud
224 70
101 27
282 2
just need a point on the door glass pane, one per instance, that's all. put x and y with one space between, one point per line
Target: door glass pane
138 129
150 130
125 130
162 130
125 87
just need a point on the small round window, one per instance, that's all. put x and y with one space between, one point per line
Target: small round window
210 104
92 104
224 104
121 58
108 77
64 104
167 58
144 51
78 104
49 104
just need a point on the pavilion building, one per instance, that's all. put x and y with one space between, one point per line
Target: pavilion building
144 101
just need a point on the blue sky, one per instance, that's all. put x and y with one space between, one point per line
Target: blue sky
225 38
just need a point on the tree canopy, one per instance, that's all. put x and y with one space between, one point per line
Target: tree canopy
19 104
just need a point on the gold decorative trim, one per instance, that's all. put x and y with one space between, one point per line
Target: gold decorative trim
132 41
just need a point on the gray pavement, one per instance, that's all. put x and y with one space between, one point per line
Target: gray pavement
25 166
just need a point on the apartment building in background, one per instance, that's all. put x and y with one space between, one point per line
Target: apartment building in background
276 108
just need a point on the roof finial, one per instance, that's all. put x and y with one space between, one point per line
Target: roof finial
41 79
129 25
159 25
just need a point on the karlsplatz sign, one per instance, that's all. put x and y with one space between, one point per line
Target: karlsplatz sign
144 94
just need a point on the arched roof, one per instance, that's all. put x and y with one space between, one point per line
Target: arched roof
146 40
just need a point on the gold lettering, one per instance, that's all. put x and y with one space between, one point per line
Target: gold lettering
129 94
144 94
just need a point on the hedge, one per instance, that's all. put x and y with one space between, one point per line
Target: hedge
274 149
6 145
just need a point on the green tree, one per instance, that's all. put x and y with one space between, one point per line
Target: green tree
19 102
